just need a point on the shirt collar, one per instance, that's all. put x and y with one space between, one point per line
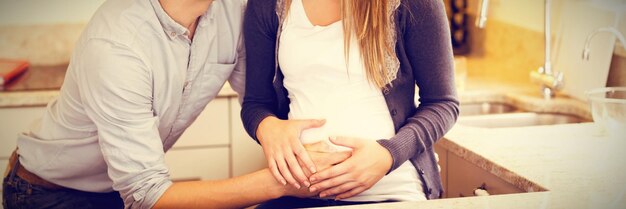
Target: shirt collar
171 27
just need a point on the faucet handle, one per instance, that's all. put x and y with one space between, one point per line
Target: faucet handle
558 80
586 54
553 81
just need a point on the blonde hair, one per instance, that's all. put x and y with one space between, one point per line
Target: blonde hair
368 21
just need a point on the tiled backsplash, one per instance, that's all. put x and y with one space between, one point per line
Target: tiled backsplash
39 44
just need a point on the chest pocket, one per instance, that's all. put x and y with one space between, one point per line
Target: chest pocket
218 72
211 81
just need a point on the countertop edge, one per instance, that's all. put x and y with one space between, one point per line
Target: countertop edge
42 98
491 167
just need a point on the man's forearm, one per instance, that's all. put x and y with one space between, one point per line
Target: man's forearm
238 192
242 191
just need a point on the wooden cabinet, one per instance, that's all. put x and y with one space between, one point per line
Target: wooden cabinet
215 146
460 177
203 150
210 128
247 155
15 121
198 163
464 177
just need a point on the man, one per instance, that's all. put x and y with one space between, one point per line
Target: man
141 73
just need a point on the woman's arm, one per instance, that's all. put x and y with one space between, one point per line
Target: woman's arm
280 139
429 50
259 30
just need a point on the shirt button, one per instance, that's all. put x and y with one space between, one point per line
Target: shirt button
386 91
394 112
173 34
421 171
430 191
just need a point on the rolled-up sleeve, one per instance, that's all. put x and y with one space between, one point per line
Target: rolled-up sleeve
116 90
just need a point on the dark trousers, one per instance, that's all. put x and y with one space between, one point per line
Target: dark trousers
17 193
295 202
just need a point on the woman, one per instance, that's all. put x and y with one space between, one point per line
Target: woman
347 70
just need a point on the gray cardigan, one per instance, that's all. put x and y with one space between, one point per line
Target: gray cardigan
424 50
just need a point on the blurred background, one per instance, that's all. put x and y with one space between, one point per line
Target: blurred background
525 127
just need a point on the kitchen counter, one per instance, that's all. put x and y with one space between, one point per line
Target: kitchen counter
37 78
577 166
41 98
40 85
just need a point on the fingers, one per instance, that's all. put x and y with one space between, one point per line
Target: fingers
341 189
338 157
307 172
304 156
285 152
306 124
296 170
331 172
330 183
351 193
346 142
285 172
274 169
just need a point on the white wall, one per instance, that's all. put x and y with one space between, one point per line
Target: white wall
525 13
529 14
522 13
38 12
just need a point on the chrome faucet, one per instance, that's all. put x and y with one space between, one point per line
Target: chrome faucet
549 80
481 20
611 30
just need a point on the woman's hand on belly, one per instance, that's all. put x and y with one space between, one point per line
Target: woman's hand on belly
283 150
368 164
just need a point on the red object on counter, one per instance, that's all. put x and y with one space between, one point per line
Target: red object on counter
10 69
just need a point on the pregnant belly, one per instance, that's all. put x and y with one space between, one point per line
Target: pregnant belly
357 114
368 125
368 119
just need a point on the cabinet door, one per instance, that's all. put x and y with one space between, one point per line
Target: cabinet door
464 177
198 163
210 128
14 121
247 154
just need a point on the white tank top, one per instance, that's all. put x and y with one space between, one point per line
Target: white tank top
321 86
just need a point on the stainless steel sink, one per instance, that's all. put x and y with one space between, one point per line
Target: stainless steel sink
519 119
485 108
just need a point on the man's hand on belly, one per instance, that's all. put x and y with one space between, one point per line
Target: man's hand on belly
283 150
